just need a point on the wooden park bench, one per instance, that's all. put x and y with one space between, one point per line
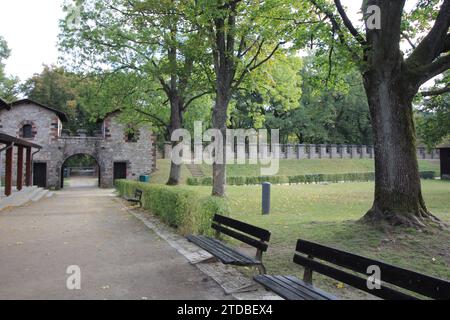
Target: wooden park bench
137 197
291 288
251 235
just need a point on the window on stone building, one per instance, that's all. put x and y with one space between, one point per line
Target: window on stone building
27 131
131 135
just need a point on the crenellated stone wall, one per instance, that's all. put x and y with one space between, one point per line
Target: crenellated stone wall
328 151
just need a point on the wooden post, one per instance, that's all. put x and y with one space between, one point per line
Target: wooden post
9 170
28 165
19 168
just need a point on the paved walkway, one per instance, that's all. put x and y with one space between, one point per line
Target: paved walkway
119 257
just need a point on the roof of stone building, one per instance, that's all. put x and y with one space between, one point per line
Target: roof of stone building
7 139
3 104
62 116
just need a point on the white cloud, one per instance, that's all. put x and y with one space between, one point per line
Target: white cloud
31 29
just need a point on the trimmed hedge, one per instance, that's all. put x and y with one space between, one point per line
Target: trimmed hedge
300 179
179 207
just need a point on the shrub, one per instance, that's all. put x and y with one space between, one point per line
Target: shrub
300 179
179 207
193 182
428 175
208 181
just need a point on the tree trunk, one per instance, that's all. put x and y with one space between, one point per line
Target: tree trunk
176 121
219 120
398 195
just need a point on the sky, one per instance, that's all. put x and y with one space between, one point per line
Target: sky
31 29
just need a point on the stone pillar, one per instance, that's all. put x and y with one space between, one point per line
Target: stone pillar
370 152
322 151
301 152
334 152
154 139
168 150
290 152
355 154
276 147
309 151
434 154
345 151
253 153
241 152
419 153
364 154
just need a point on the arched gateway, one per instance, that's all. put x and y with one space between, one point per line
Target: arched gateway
118 154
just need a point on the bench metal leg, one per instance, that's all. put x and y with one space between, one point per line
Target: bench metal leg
262 269
308 274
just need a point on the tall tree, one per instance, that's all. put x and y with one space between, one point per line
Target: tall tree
243 35
156 39
392 78
61 90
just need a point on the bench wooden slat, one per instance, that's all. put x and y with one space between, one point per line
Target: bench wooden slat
270 283
224 253
211 247
350 279
420 283
310 291
254 231
242 237
291 288
229 254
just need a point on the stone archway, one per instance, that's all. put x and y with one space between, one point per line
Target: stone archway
97 168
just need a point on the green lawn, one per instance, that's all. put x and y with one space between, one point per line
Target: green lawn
328 214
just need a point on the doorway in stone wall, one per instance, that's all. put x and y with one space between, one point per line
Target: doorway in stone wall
80 171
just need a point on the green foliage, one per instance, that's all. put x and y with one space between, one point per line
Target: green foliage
433 118
179 207
8 84
275 87
64 91
146 54
329 112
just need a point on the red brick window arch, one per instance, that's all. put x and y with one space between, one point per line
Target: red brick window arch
27 130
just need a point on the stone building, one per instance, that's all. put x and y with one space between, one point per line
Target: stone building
119 153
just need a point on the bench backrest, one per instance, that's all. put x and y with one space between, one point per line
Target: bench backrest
247 233
138 194
412 281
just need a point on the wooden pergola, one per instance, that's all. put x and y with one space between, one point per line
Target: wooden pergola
22 145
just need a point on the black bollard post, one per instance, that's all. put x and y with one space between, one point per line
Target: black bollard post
266 198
